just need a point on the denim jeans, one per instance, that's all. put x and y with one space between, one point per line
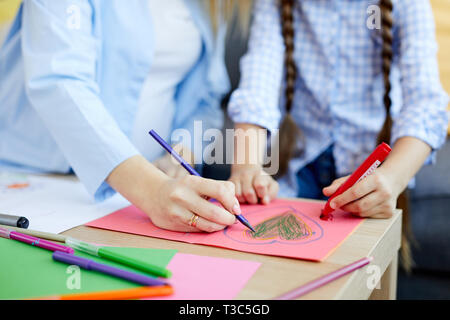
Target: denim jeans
317 175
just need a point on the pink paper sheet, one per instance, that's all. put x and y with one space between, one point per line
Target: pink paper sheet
295 230
208 278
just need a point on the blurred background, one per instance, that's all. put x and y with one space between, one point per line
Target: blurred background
430 201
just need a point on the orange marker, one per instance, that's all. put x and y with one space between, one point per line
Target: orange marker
127 294
18 186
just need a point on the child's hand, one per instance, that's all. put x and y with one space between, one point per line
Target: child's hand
373 197
179 199
253 184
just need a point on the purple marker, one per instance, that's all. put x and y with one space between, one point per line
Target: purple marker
191 170
37 242
103 268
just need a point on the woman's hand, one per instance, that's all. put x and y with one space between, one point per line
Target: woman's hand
179 199
373 197
253 185
172 203
171 167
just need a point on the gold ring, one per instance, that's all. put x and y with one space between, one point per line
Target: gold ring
194 220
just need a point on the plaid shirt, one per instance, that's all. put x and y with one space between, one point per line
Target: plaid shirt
339 89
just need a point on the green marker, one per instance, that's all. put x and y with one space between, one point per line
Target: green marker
105 253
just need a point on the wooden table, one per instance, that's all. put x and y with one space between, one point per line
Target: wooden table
377 238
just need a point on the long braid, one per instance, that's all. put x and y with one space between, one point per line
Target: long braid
386 8
289 131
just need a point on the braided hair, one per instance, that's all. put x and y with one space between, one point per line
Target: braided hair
289 131
386 7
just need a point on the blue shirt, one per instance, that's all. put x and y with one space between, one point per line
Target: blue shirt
339 89
71 73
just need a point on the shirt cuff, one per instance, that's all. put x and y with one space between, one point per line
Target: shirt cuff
243 110
104 192
434 137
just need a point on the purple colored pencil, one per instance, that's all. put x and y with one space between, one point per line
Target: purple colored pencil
310 286
191 170
37 242
103 268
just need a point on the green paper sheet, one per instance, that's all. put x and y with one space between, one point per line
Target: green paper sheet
29 272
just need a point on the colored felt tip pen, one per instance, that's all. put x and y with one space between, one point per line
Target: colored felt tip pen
364 170
106 269
37 242
191 170
14 221
326 279
111 255
38 234
4 233
125 294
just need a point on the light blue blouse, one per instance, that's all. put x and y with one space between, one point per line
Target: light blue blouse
71 72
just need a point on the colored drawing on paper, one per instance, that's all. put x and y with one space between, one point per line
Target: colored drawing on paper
12 182
281 225
287 226
18 186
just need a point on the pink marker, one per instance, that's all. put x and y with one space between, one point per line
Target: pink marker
41 243
310 286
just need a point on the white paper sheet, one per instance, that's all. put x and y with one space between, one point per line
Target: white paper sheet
52 204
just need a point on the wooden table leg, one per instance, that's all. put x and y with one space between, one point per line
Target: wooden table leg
387 290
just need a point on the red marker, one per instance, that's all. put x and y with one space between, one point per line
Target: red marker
367 168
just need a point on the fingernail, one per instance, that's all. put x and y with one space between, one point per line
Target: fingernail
266 199
332 205
237 209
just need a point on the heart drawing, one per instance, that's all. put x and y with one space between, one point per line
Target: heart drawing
286 226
